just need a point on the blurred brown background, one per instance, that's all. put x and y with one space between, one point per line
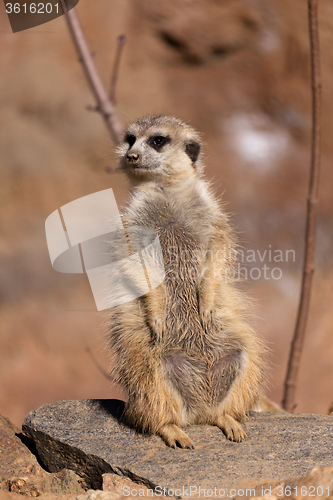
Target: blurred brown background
238 71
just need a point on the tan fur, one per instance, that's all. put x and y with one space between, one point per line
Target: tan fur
184 352
266 404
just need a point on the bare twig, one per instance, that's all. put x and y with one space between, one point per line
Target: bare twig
120 45
290 384
104 104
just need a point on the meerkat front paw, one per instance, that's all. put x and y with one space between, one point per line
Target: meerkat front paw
230 428
158 329
207 318
172 435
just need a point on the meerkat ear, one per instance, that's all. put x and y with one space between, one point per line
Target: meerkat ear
192 149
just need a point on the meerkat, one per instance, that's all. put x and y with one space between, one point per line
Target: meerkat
184 352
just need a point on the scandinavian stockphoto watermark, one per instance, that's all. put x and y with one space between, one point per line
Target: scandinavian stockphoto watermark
228 263
123 263
279 491
188 491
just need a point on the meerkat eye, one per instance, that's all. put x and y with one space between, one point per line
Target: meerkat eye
158 141
130 139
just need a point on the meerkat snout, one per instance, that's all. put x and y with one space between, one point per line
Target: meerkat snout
133 157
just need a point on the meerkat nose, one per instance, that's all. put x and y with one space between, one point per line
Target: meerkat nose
133 157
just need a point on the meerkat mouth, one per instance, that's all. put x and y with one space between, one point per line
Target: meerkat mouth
144 168
136 166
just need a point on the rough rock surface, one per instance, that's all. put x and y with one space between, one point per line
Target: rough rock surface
20 471
8 495
87 437
114 484
318 485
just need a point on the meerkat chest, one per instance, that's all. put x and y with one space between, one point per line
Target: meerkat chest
183 232
182 242
174 216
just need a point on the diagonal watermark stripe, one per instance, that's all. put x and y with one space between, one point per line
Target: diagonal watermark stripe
87 236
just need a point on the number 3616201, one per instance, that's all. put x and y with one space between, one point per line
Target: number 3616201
33 8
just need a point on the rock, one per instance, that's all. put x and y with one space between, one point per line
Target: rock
123 486
200 31
8 495
318 485
100 495
20 471
117 495
88 437
112 482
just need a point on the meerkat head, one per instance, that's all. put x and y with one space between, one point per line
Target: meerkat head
160 147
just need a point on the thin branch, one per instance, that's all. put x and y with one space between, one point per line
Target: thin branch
120 45
290 384
104 105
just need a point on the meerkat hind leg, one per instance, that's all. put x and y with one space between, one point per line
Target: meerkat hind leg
230 428
172 434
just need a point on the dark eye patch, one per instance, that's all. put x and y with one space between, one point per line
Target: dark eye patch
158 141
130 138
192 149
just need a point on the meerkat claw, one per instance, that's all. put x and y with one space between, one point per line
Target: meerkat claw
207 320
158 330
